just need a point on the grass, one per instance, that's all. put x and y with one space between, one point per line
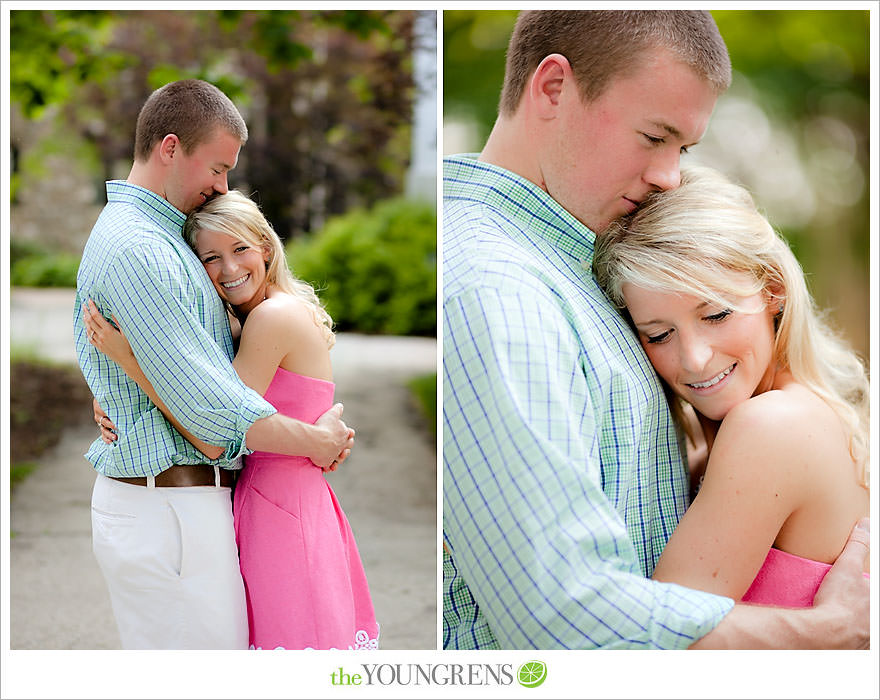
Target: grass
19 472
424 390
29 353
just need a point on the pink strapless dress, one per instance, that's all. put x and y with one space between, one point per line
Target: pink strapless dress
787 580
303 577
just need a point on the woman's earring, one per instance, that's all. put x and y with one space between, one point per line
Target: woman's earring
777 317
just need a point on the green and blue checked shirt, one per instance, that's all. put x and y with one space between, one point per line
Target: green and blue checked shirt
563 475
137 267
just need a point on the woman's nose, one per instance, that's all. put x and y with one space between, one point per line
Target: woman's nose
695 354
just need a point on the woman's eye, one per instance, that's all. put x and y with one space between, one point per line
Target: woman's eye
242 248
654 139
720 316
659 338
210 258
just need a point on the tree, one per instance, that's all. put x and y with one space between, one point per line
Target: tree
327 94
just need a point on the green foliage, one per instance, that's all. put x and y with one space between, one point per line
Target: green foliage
19 249
424 390
41 269
797 59
51 53
474 44
375 270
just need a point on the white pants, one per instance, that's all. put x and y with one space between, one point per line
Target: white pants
171 564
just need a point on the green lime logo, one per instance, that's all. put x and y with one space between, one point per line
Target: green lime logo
531 674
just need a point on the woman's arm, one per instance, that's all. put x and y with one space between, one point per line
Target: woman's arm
753 483
113 343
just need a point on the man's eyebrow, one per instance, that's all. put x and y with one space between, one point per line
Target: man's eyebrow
671 130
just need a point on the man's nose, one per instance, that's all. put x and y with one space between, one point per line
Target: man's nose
221 184
664 172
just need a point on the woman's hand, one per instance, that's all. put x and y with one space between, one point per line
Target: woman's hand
108 429
107 339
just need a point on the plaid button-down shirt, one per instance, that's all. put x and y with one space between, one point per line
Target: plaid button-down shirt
137 267
563 475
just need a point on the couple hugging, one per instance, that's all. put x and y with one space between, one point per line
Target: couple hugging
651 440
205 355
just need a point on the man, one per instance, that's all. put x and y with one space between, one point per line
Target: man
161 510
563 474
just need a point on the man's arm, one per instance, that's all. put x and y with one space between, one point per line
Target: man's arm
839 618
327 443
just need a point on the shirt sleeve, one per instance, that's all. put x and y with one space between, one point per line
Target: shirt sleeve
545 554
154 302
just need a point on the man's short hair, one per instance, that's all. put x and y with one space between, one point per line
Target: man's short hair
605 44
190 109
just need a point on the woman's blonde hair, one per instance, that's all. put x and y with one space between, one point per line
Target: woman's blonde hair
690 239
238 216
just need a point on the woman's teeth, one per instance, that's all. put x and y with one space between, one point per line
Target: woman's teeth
712 382
235 283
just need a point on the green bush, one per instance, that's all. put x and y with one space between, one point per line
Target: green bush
20 249
44 270
376 270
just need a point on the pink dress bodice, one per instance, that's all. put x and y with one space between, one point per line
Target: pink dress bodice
786 580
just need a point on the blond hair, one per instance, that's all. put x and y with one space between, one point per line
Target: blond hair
238 216
601 45
707 239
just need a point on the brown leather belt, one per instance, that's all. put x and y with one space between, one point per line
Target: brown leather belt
183 475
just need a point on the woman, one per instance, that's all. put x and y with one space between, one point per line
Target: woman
721 308
303 576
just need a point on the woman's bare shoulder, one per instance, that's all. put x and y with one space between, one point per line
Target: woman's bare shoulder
782 430
282 313
783 414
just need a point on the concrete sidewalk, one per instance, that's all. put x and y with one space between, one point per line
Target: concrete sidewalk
388 489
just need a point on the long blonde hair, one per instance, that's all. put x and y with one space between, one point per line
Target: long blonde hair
238 216
690 239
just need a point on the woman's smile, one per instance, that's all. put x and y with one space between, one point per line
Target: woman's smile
234 284
716 382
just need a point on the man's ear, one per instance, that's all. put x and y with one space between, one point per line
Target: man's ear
169 148
551 77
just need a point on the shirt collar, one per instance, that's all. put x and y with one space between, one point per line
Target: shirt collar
464 177
159 210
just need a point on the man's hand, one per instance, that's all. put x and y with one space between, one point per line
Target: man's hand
845 594
335 440
108 429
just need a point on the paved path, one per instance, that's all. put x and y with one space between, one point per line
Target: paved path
388 488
